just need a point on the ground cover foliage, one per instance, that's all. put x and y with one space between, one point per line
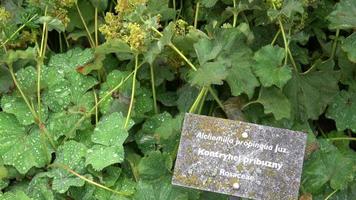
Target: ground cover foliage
93 92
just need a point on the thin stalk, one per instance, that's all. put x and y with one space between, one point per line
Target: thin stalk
91 41
330 195
235 15
286 45
275 37
197 100
60 42
96 108
191 65
88 180
132 93
18 30
201 105
66 40
153 89
182 56
96 27
216 98
174 5
196 14
333 51
33 112
248 104
40 63
171 45
292 60
341 138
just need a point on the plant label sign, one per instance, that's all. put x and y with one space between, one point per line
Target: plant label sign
239 159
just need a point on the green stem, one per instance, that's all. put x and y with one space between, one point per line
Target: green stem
153 89
91 41
333 51
341 138
331 194
275 37
197 100
79 122
201 105
182 56
39 65
18 30
60 42
96 108
22 93
235 15
216 98
196 15
88 180
248 104
96 27
132 93
66 40
286 46
174 5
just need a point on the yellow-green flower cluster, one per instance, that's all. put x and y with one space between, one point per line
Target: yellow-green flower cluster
277 4
116 27
125 6
4 15
111 28
66 3
61 14
136 37
181 27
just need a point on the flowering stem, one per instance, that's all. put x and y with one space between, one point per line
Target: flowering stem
91 41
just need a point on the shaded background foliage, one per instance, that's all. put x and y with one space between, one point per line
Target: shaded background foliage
93 92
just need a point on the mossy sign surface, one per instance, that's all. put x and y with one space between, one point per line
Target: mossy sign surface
239 158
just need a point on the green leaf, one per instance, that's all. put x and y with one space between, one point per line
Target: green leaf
21 149
52 23
209 73
15 195
155 165
100 156
113 46
274 101
58 97
68 62
160 7
269 67
207 50
80 84
17 106
27 79
342 109
39 187
344 16
71 154
110 136
310 93
349 46
186 97
290 7
61 123
13 55
240 76
161 190
110 131
327 164
6 81
208 3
